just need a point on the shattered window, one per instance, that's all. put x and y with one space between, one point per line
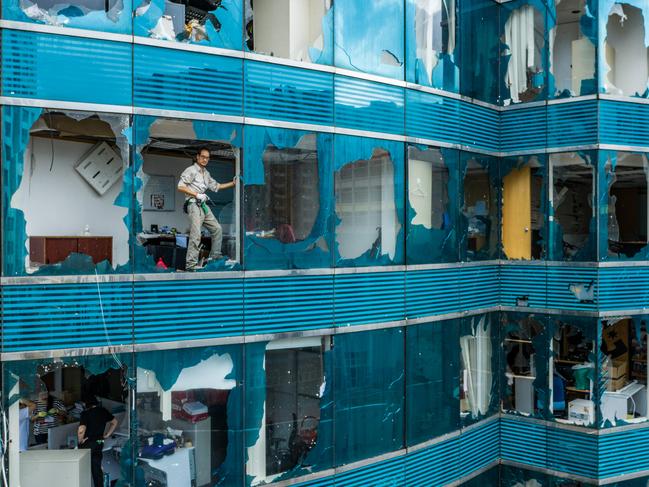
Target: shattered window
369 392
626 174
432 205
480 49
432 375
478 360
216 23
45 402
369 204
295 432
177 231
572 57
189 422
523 208
431 40
573 191
299 30
100 15
572 368
624 371
479 207
68 192
524 37
288 192
366 41
625 50
524 350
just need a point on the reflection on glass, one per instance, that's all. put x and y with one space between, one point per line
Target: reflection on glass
366 207
627 203
183 416
573 189
624 345
626 68
286 206
573 53
290 29
525 38
573 373
522 210
476 378
71 406
521 367
435 37
294 387
68 193
170 151
480 210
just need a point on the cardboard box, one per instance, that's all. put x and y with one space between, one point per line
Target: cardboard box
616 384
618 369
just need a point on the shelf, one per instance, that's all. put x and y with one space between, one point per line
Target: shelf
517 340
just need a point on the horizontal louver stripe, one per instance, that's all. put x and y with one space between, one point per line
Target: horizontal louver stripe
369 298
432 292
523 129
572 124
430 116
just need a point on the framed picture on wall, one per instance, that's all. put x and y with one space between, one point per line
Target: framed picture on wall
159 194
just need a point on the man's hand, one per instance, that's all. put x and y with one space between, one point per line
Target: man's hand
201 197
235 180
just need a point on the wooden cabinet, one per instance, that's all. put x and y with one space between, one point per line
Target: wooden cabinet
52 250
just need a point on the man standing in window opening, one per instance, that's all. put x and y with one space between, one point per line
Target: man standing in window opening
92 433
194 182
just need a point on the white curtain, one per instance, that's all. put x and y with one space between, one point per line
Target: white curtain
476 355
519 36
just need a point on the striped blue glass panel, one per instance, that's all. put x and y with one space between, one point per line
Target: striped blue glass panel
523 282
188 81
478 287
623 453
623 288
365 105
571 124
432 292
369 298
287 93
522 129
479 447
56 67
572 452
436 465
623 123
187 310
430 116
479 126
66 316
524 442
389 472
573 288
323 482
284 304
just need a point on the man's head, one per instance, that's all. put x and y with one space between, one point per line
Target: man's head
203 156
91 401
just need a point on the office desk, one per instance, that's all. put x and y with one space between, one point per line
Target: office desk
164 246
38 468
52 250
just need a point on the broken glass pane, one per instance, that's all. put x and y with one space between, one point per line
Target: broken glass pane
68 192
572 34
288 198
216 23
573 223
624 371
301 31
432 205
479 207
170 235
624 204
369 201
525 56
624 53
369 36
523 207
431 43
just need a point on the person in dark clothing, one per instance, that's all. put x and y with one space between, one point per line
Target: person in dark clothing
92 432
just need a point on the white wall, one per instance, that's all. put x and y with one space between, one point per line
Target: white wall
60 202
626 53
562 55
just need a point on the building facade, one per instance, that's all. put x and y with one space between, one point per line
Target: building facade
430 276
